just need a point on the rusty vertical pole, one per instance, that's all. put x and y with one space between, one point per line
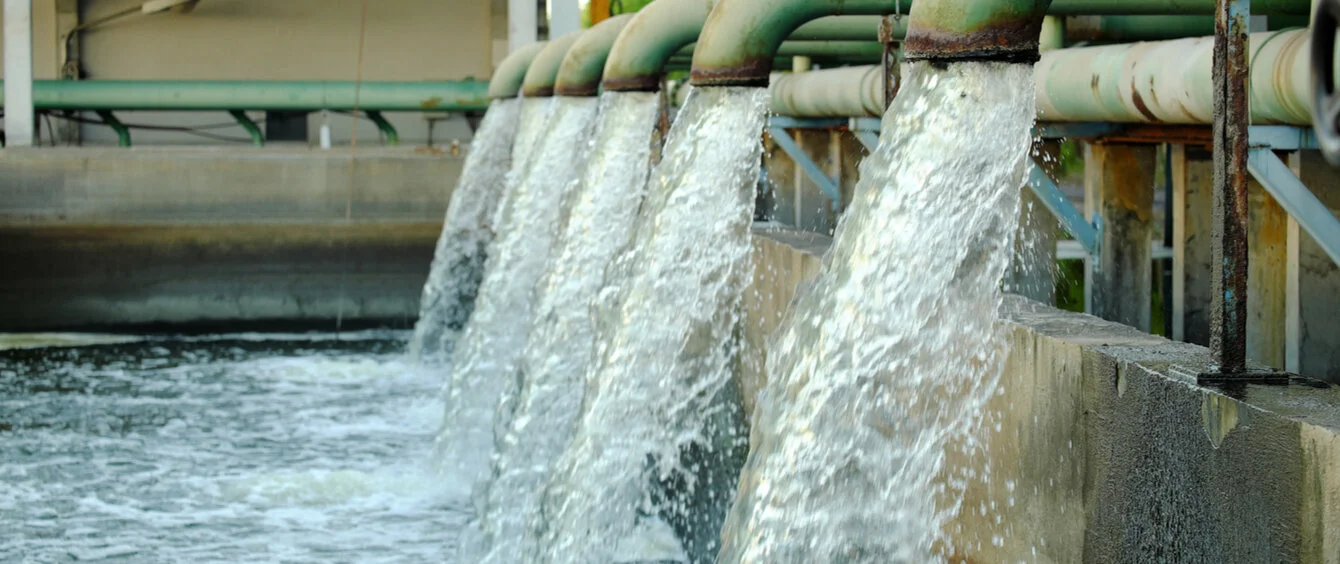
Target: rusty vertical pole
1228 238
890 57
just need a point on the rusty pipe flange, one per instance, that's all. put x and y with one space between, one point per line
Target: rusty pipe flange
1325 101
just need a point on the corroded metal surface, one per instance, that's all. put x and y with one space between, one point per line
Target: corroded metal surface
543 71
1003 30
639 56
1228 237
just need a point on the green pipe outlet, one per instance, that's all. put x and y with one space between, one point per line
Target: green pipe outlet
1170 81
1005 30
223 95
839 92
639 55
741 37
580 73
392 136
257 138
543 71
122 132
506 82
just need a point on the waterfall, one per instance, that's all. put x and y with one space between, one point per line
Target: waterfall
458 263
553 366
650 469
887 361
486 357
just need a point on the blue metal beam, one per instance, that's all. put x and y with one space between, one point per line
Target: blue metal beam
812 170
866 130
1089 235
1312 215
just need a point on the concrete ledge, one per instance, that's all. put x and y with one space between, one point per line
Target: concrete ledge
213 277
135 186
1101 448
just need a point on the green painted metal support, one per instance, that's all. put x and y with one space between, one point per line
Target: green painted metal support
223 95
392 137
122 132
257 137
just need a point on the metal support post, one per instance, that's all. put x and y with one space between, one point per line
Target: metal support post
18 87
392 137
257 137
122 132
812 170
1228 239
889 58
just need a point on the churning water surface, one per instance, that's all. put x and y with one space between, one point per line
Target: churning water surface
242 448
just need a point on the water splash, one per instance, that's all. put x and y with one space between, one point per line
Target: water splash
890 357
458 264
652 463
552 370
496 334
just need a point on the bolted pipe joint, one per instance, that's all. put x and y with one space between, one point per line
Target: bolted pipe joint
975 30
741 37
580 73
506 81
543 71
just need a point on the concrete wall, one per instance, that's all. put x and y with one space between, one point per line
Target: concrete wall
116 238
1102 448
275 40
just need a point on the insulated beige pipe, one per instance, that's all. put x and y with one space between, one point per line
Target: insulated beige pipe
1170 81
839 92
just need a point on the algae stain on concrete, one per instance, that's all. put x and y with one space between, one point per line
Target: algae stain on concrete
1219 416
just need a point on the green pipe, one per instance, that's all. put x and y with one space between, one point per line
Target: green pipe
1169 7
579 75
543 71
741 37
839 28
257 138
506 82
639 55
122 132
392 137
953 30
222 95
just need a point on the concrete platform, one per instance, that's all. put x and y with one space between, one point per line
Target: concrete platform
1103 449
206 239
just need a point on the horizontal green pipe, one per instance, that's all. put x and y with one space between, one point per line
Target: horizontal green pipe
543 71
1125 29
839 28
580 73
1170 7
456 96
507 78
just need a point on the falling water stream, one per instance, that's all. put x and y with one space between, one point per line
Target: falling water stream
493 340
651 466
458 263
888 359
600 222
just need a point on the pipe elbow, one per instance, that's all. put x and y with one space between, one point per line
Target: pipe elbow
582 67
741 37
543 71
653 35
506 81
952 30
